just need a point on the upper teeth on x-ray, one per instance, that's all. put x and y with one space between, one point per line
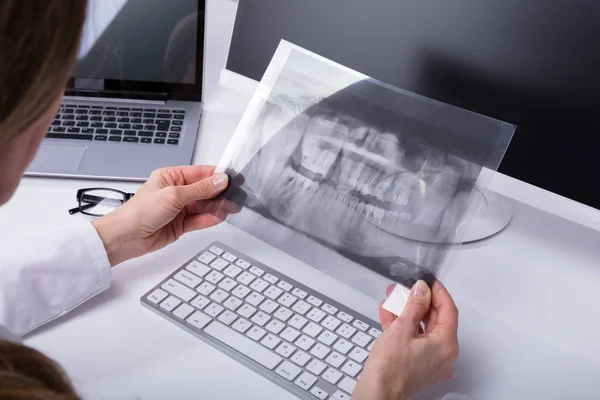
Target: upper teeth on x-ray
352 172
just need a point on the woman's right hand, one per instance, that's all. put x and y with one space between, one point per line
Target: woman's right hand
406 360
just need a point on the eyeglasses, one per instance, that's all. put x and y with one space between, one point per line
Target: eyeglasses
99 201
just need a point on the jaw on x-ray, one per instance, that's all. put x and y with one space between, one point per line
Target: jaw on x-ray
359 170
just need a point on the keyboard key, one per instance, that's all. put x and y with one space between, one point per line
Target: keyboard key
351 368
327 338
206 258
255 299
361 339
312 329
241 325
102 131
170 303
319 393
198 320
246 311
297 321
358 354
205 288
74 130
288 370
157 296
260 318
213 310
110 125
335 359
328 308
219 264
243 345
346 331
164 115
304 342
87 130
139 127
345 317
283 314
183 311
331 323
275 326
214 277
270 341
96 124
227 317
101 138
290 334
114 139
287 299
256 333
176 129
242 264
285 349
273 292
269 306
233 303
159 134
270 278
300 358
316 367
179 290
332 376
177 123
68 136
229 257
374 332
187 279
259 285
301 307
216 250
360 325
227 284
241 291
314 301
256 271
200 302
197 268
246 278
178 117
219 295
284 285
145 140
232 271
339 395
306 380
159 141
320 351
343 346
172 141
315 315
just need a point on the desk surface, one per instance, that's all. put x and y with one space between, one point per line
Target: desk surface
527 299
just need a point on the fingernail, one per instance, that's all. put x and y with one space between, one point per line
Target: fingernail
220 180
420 288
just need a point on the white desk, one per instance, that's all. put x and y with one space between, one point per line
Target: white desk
527 298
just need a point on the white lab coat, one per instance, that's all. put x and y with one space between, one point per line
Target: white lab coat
47 275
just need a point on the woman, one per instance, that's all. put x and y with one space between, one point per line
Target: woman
38 43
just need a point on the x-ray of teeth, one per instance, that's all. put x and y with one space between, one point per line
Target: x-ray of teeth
379 176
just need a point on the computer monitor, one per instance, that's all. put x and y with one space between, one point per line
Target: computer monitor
534 64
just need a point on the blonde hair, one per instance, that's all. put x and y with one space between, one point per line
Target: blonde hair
39 41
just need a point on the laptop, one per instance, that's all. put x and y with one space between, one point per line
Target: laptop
134 102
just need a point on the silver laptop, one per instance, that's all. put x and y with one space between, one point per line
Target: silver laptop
134 102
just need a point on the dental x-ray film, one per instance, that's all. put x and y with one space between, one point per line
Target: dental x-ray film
347 173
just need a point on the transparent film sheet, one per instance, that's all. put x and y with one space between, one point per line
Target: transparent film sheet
350 175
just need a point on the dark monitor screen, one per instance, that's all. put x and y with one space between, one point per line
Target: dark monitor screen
535 64
143 45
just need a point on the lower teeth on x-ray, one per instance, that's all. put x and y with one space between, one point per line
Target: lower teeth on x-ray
381 189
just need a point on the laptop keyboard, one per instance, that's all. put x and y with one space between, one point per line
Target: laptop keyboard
307 343
117 124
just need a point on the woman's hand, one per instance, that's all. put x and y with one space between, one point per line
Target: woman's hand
172 202
405 360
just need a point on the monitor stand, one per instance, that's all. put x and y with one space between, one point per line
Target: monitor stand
493 214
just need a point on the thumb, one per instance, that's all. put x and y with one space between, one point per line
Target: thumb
416 307
203 189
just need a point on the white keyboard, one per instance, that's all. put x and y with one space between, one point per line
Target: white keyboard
305 342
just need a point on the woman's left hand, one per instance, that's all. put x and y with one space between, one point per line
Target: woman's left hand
172 202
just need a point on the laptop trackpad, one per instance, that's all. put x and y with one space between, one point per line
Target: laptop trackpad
58 158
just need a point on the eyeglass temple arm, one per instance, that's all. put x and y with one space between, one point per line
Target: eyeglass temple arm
75 210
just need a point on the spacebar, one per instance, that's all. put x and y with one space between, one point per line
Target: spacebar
244 345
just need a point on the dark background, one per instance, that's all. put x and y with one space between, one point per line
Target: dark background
533 63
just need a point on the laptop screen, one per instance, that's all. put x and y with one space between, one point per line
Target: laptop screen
143 46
